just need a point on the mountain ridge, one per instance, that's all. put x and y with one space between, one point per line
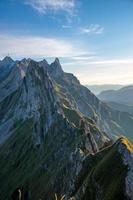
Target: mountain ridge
52 139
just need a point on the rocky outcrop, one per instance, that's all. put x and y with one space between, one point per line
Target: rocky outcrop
13 80
107 174
55 68
126 150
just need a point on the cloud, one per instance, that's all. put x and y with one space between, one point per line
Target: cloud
95 61
55 5
113 62
92 29
85 56
31 46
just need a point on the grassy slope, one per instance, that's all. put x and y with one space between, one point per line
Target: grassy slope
112 181
17 158
103 175
36 168
21 165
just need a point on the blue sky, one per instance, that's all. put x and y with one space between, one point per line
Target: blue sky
92 38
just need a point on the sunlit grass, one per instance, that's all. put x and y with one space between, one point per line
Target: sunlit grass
60 198
128 144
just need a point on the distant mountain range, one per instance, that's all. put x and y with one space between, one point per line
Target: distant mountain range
121 100
56 136
96 89
122 96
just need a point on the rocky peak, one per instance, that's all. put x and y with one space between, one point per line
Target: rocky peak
5 66
44 64
6 63
8 60
55 68
57 60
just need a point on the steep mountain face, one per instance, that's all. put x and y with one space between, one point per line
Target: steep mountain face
5 66
31 90
12 81
42 143
123 95
81 99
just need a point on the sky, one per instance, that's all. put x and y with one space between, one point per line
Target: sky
92 38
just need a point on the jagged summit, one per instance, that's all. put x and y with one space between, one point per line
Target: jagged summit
57 60
44 64
24 61
45 61
6 62
55 68
5 66
7 59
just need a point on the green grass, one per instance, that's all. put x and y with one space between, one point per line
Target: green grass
72 115
17 160
107 176
113 175
42 170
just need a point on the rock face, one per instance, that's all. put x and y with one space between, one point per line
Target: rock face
52 136
33 92
5 66
108 120
55 69
126 150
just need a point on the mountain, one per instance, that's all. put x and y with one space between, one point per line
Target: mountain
5 66
122 96
70 91
54 139
36 135
96 89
